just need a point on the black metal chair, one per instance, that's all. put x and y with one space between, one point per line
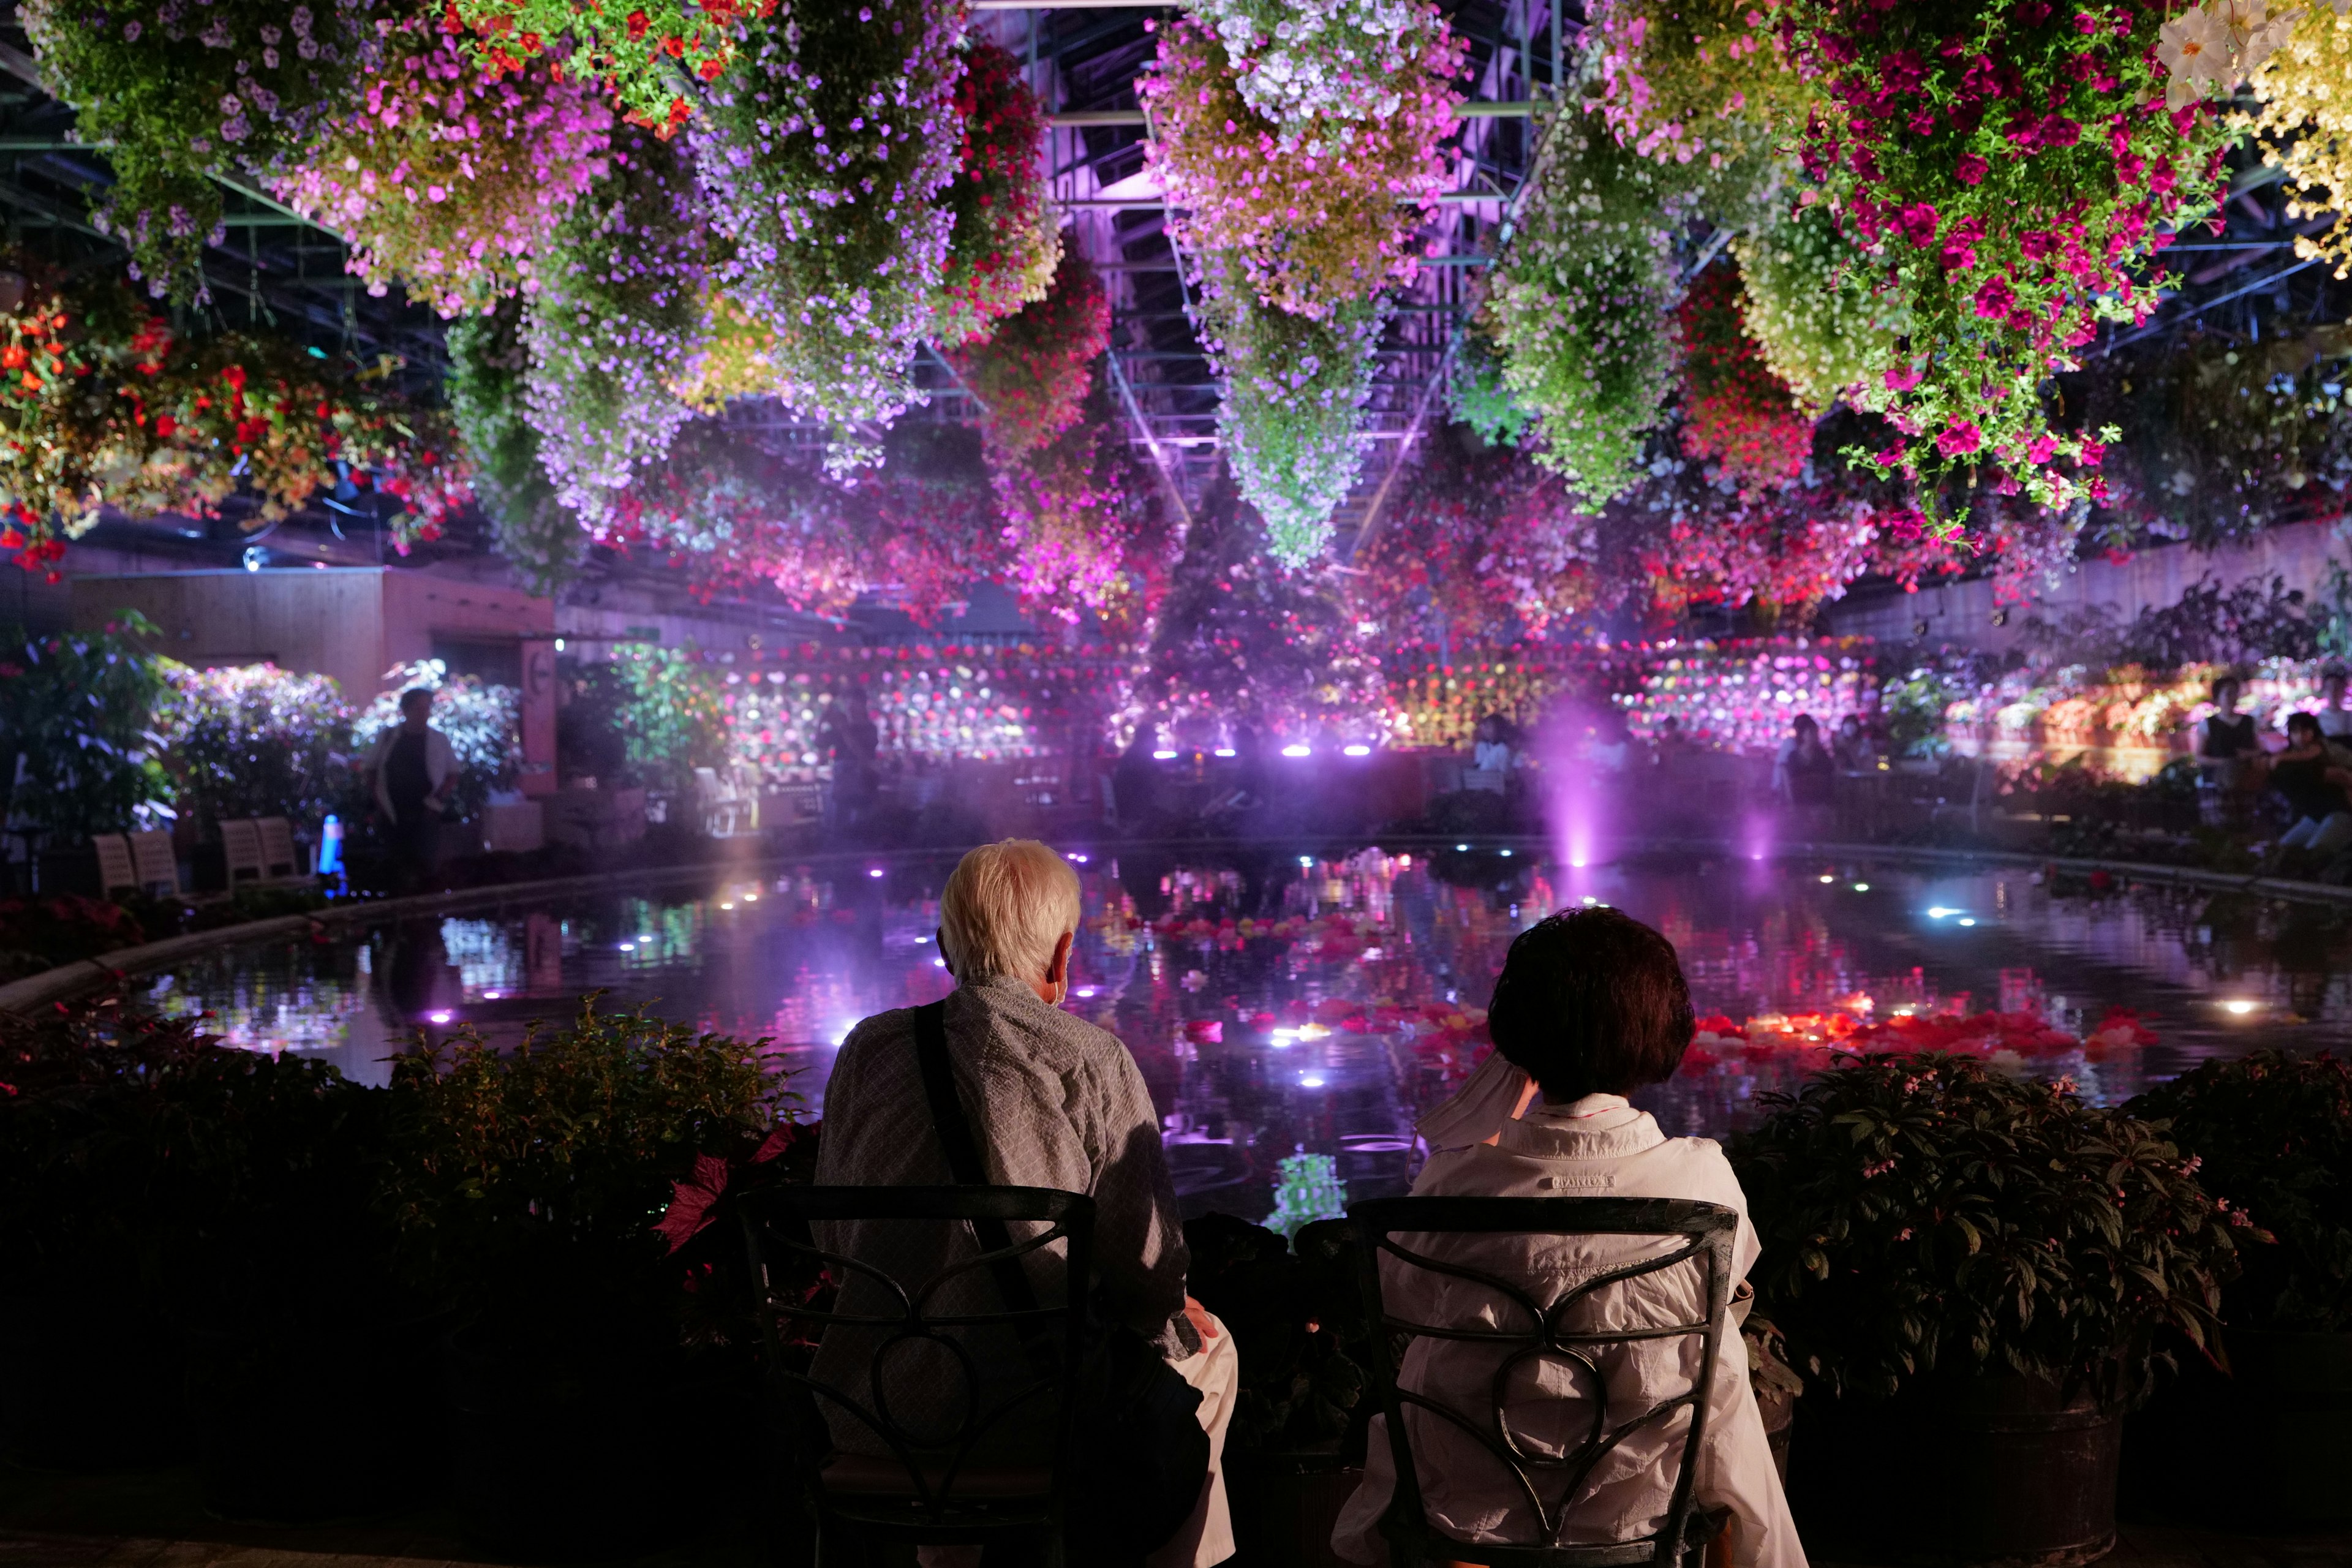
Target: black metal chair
932 1488
1705 1233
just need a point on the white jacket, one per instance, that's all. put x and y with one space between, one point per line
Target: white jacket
440 761
1600 1146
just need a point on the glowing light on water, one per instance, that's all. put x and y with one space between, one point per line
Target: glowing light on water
1163 756
438 1018
1355 751
1297 750
876 871
1311 1081
2241 1008
1967 921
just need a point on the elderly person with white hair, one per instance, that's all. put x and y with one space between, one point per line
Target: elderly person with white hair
1053 1101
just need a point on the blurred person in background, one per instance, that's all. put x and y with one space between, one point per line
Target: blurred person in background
411 769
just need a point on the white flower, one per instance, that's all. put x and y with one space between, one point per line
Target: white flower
2196 48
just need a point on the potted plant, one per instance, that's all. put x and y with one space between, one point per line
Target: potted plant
2274 1134
183 1219
526 1183
1974 1270
1295 1450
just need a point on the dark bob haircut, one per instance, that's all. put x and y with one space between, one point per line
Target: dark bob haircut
1592 1002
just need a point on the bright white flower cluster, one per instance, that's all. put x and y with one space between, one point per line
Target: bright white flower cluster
1812 307
1311 65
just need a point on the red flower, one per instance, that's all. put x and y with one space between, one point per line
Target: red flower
638 23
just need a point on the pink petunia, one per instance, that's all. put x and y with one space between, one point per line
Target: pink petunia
1972 169
1959 439
1996 299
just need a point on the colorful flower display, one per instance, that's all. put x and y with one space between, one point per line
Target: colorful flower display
1735 411
616 326
1005 245
1741 695
1294 389
1580 304
2006 165
824 155
1033 373
251 741
2304 120
442 178
644 57
175 92
1316 211
1078 522
1702 83
107 406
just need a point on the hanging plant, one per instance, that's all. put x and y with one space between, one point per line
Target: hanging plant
1032 374
1313 218
175 93
1815 308
106 406
489 366
725 510
2009 166
1076 519
1735 412
1475 392
822 156
2304 120
615 325
737 357
1295 391
643 58
1580 304
276 423
1005 242
1330 62
78 436
443 179
1476 535
1706 85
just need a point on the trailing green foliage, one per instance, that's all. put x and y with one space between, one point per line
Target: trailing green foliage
78 750
489 368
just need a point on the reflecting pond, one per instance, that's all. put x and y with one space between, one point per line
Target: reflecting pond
1281 1003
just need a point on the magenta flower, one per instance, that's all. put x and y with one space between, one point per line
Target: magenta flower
1972 169
1959 439
1917 224
1996 299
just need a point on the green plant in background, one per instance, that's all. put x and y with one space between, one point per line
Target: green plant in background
482 722
1913 709
670 718
1924 1214
2272 1133
1475 396
77 747
489 361
252 740
526 1183
1307 1189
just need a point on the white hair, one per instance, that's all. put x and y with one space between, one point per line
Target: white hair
1004 908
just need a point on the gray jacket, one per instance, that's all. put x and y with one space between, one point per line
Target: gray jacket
1054 1102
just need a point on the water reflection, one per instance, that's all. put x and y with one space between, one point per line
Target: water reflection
1279 1004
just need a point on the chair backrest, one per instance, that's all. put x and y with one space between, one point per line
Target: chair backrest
154 860
1551 1485
1040 1393
241 844
277 858
114 865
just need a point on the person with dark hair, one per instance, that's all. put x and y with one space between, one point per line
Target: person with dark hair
2310 778
411 769
1802 766
2335 719
2229 736
1592 1005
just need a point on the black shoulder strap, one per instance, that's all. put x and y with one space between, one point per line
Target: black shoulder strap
963 1152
